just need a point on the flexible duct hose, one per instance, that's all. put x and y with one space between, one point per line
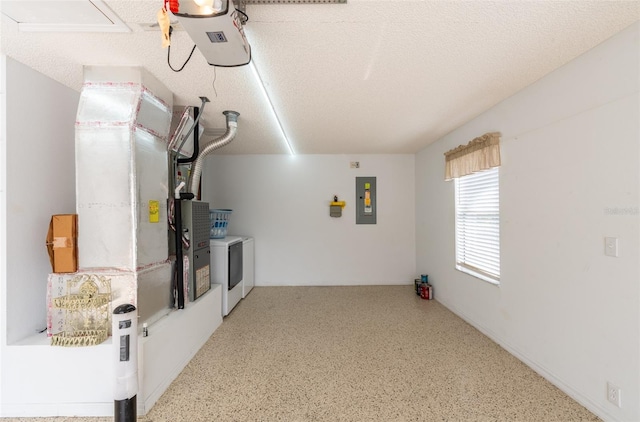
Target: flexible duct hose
196 169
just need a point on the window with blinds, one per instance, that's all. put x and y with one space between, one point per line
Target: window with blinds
478 224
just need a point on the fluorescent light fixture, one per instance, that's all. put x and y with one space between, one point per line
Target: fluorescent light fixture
273 110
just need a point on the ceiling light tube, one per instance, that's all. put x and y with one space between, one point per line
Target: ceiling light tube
273 110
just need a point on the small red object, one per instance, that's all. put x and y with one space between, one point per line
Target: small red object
424 291
174 6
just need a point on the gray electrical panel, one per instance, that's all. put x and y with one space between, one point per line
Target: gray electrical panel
195 222
366 208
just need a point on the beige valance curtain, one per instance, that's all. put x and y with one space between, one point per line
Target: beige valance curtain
480 154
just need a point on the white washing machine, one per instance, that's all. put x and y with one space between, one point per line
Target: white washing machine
248 265
227 269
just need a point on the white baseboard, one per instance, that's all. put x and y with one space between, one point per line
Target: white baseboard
34 410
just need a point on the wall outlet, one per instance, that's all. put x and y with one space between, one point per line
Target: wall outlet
613 394
611 246
355 164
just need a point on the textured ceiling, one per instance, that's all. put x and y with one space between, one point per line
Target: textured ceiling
368 76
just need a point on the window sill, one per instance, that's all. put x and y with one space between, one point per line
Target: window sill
478 275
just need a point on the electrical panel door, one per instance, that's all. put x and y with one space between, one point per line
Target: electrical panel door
366 207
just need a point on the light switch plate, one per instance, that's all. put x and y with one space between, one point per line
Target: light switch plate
611 246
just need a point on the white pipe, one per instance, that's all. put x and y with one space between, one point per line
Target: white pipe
176 193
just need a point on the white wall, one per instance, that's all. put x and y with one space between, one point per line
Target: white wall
283 202
40 181
3 209
570 177
36 180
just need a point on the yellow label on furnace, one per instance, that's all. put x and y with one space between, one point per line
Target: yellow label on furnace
154 211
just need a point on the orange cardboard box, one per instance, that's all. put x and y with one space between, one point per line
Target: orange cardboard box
62 243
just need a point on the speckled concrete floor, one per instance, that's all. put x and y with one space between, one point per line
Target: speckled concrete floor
370 353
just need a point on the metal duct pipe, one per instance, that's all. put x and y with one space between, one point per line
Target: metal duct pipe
196 170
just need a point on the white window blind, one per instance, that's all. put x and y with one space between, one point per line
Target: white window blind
478 224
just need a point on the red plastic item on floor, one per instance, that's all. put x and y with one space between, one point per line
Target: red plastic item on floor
426 292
